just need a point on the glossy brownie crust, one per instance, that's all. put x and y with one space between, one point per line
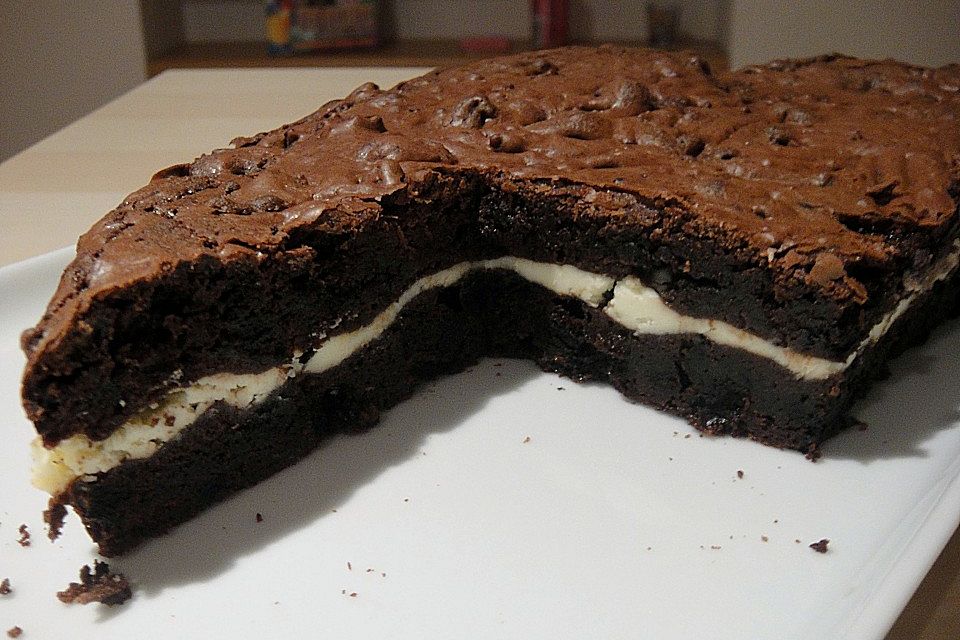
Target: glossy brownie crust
790 200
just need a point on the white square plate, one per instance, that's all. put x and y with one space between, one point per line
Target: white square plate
611 521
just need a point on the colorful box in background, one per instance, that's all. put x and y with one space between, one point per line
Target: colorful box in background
311 25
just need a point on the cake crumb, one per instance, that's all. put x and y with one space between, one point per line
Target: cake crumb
820 546
353 594
98 585
54 516
526 440
740 473
14 632
5 589
24 540
764 539
259 517
349 566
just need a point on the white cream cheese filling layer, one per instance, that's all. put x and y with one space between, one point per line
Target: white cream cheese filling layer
633 305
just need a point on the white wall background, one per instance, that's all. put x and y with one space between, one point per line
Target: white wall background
61 59
926 32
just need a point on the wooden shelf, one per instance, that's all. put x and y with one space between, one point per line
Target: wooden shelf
409 53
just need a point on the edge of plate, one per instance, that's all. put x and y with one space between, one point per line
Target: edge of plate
883 607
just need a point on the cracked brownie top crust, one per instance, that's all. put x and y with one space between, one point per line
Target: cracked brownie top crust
797 201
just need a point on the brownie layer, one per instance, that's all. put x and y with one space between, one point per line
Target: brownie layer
433 336
634 306
201 318
790 200
721 390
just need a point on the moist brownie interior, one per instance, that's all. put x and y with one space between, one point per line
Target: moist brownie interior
792 224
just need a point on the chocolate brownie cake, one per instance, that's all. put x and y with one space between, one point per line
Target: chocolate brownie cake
744 250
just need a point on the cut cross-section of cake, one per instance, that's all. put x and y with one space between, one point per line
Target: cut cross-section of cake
744 250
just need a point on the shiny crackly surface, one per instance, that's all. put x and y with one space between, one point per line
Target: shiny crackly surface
808 169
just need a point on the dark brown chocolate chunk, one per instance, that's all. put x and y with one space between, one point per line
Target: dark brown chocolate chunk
54 516
820 546
14 632
24 539
5 587
98 585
